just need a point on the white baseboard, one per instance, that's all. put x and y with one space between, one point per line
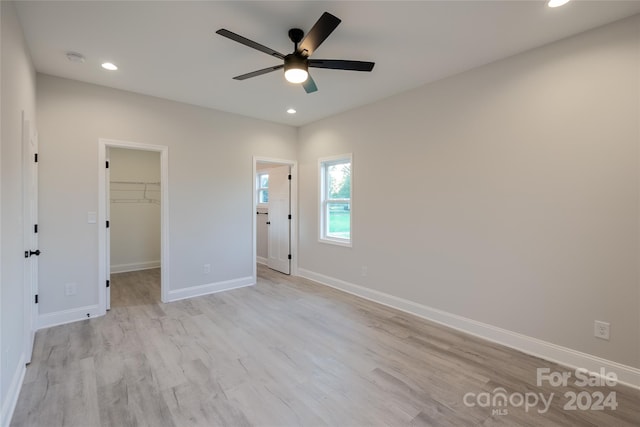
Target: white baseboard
627 375
11 398
76 314
261 260
67 316
136 266
210 288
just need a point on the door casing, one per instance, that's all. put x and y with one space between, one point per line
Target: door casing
103 268
294 209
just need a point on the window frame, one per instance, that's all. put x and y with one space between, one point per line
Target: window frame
259 174
324 200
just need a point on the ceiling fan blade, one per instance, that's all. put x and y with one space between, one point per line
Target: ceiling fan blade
318 33
341 64
259 72
245 41
309 85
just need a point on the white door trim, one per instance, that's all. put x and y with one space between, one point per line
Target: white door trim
103 144
294 211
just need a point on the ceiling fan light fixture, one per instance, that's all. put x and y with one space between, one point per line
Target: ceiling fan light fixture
296 75
295 68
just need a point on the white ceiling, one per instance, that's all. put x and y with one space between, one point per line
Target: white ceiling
169 49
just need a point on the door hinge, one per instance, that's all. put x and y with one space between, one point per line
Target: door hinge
108 283
35 228
35 157
289 216
107 164
36 298
107 224
289 256
289 177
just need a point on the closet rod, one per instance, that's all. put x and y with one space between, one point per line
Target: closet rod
134 182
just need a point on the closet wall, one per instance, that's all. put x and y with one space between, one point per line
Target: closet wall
262 229
135 209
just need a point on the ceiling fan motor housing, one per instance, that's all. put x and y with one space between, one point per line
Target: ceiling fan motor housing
295 60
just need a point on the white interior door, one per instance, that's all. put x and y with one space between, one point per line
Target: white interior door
108 234
30 220
279 220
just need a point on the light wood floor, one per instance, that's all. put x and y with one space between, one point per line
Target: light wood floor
286 352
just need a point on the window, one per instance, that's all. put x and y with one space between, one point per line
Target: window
335 199
262 188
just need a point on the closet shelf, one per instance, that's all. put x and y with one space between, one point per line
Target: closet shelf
140 192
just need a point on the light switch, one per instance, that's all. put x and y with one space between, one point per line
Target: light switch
91 217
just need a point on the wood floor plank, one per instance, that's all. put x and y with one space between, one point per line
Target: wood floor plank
286 352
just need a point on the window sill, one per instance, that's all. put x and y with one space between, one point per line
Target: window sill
336 242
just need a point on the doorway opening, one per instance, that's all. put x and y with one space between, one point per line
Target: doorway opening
274 205
133 237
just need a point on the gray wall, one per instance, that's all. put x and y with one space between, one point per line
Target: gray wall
210 183
18 94
262 234
507 194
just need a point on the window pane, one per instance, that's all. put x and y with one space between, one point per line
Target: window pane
339 181
263 196
339 220
264 180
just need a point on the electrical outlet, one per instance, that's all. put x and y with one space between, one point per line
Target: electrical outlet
206 269
601 330
70 289
364 271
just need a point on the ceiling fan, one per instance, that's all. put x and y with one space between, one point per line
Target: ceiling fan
297 64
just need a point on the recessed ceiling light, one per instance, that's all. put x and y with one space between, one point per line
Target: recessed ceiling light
291 111
109 66
75 57
557 3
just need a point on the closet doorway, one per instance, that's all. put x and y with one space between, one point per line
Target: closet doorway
134 224
133 234
274 205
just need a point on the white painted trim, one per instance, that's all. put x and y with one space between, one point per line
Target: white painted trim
164 215
135 266
261 260
49 320
210 288
11 398
627 375
322 232
294 212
